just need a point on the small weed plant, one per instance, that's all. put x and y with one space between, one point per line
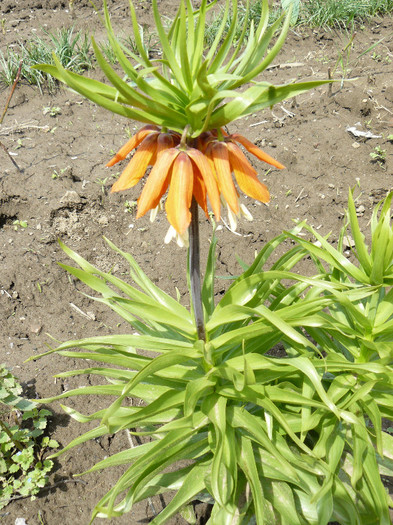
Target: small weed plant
102 182
19 224
52 111
23 468
379 156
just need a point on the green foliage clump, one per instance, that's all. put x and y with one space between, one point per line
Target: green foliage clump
291 437
23 469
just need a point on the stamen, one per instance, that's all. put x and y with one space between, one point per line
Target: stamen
153 213
181 240
232 217
245 212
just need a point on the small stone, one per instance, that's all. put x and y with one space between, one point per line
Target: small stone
71 197
35 328
103 220
348 242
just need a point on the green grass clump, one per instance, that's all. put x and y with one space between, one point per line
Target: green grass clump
72 49
253 14
311 13
341 13
128 45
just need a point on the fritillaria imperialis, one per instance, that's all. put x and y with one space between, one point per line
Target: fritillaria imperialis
186 95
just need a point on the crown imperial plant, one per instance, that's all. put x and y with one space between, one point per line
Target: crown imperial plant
185 98
289 440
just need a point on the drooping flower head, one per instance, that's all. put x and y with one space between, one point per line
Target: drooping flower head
190 87
203 172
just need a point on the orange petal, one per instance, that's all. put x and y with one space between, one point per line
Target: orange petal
208 178
137 166
203 140
219 154
180 193
208 155
133 143
157 182
199 191
164 141
176 137
246 175
257 152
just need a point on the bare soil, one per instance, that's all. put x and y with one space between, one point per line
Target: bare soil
62 192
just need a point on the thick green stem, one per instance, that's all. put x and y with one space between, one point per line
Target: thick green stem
195 272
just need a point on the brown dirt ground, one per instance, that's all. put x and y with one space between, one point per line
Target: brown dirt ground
36 296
